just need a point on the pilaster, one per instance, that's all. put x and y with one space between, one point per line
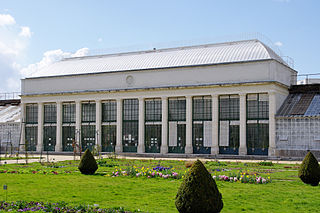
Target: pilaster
40 127
188 149
118 148
164 126
215 125
141 146
58 147
243 124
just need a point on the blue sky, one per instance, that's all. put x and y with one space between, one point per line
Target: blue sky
36 33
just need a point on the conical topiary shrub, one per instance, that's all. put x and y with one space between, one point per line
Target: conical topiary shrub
88 164
309 171
198 192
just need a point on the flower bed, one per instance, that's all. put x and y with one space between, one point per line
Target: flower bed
243 178
159 171
24 206
35 172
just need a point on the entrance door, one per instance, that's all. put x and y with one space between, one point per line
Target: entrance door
109 138
152 138
68 138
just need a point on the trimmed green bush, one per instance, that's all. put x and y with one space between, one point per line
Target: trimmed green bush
88 164
309 171
198 191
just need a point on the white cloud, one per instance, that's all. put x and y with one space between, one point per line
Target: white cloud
100 39
278 44
48 58
6 19
25 31
14 41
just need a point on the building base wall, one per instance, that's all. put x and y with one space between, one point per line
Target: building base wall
296 154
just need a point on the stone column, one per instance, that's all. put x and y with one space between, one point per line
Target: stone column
243 125
23 127
78 123
272 124
189 149
164 126
141 147
40 127
98 123
118 148
58 147
215 125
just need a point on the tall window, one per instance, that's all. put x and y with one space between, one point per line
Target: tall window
32 114
88 126
153 117
130 125
229 124
31 128
49 128
88 112
257 124
109 126
202 124
68 126
177 124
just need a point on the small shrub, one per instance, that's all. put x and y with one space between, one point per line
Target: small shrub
198 192
309 171
265 163
188 164
215 163
88 164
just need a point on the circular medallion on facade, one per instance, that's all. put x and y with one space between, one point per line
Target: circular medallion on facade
129 80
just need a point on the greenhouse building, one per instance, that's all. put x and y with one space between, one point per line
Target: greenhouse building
214 99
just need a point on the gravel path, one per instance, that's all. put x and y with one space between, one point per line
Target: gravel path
55 158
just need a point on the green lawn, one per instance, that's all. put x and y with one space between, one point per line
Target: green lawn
286 193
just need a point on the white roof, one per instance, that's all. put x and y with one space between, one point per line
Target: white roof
241 51
10 113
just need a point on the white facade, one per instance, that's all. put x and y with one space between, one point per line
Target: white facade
266 74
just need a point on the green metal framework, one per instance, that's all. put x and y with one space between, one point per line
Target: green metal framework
88 127
49 128
49 138
201 120
50 113
31 114
130 125
229 124
257 124
31 128
68 126
88 137
177 125
31 139
109 128
153 117
68 138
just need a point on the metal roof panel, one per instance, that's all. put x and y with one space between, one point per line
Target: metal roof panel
230 52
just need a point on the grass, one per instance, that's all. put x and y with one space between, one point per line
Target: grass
286 193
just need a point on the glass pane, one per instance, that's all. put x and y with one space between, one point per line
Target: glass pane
88 112
153 110
109 111
69 113
31 113
50 113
